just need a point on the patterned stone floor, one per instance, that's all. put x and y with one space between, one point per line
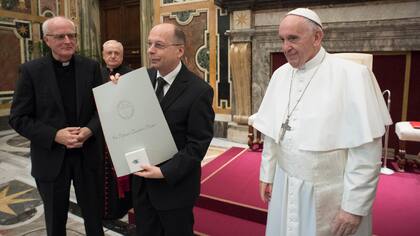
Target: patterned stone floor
21 210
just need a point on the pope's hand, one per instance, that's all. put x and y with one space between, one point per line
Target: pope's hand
115 78
345 223
150 172
265 191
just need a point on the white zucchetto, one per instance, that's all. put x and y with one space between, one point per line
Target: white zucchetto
307 13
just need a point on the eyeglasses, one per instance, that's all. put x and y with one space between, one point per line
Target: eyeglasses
159 45
60 37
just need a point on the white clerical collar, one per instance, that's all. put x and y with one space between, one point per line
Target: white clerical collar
316 60
170 77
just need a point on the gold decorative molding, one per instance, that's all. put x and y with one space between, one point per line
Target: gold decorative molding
240 65
212 50
185 6
33 7
22 16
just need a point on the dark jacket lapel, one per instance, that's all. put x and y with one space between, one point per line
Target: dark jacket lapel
49 73
176 89
79 70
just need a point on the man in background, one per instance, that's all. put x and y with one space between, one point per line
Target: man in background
113 55
117 194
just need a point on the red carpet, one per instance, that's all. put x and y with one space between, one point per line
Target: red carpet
396 211
229 185
216 224
229 203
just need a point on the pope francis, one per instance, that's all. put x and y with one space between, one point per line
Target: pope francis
323 118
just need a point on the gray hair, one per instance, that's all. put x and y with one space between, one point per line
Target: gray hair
46 24
115 42
313 25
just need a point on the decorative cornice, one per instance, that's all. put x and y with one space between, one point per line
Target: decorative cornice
362 36
234 5
243 35
368 36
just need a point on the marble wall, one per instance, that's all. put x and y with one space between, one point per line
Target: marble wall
9 58
16 46
194 25
207 47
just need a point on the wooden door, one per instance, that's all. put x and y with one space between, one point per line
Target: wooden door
120 20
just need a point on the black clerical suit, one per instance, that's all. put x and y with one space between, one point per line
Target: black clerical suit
187 107
106 72
50 96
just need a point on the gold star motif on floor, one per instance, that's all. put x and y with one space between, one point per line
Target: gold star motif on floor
6 200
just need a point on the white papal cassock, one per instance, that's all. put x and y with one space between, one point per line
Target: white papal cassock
330 159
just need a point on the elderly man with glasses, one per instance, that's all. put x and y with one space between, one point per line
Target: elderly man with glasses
53 107
113 56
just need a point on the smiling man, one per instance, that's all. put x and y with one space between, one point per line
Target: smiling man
53 107
164 195
323 118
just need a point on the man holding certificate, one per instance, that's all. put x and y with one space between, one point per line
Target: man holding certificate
164 195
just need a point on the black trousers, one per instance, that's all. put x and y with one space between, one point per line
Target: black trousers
55 196
152 222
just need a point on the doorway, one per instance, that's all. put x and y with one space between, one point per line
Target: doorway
120 20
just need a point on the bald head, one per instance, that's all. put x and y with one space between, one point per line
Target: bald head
174 33
166 47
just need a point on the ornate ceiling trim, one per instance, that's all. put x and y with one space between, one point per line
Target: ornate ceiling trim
235 5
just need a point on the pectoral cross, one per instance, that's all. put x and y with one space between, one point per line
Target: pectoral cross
285 127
